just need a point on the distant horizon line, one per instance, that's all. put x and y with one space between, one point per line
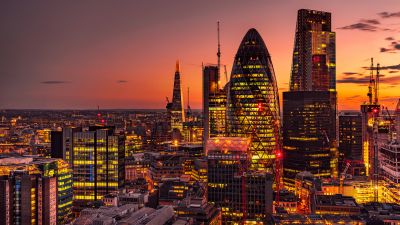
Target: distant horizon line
111 109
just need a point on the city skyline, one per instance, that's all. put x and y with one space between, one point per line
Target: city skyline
121 56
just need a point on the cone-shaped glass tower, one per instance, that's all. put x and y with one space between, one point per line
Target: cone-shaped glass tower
253 101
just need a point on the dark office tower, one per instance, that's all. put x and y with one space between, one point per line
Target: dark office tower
314 60
242 194
309 108
309 133
175 108
56 144
350 137
61 143
214 103
253 103
98 165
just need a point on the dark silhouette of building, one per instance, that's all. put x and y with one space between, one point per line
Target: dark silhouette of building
350 137
309 108
253 102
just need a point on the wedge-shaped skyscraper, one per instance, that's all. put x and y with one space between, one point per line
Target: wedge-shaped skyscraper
253 102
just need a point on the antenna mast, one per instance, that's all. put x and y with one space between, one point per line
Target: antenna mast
219 52
371 81
376 84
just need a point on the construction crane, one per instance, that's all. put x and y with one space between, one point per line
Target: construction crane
343 177
392 127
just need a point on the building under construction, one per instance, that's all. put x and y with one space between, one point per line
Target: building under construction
389 156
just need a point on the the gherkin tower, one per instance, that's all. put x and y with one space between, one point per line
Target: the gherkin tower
253 101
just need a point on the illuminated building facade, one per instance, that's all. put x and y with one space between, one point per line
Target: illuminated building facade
350 137
175 108
390 171
242 195
133 144
200 210
35 191
253 102
98 165
61 143
214 103
309 108
314 54
309 133
369 112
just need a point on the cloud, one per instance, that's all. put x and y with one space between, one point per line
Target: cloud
54 82
360 26
350 73
371 21
393 68
353 80
122 81
392 80
389 15
353 97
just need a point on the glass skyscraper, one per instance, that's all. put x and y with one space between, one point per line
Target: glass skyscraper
314 54
214 103
309 108
98 164
253 102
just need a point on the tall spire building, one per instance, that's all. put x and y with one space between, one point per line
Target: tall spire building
309 108
175 108
253 102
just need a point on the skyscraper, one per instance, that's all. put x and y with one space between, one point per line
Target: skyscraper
214 103
314 54
175 108
98 164
309 108
35 191
253 102
350 137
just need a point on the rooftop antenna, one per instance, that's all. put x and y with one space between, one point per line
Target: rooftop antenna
377 83
219 52
188 105
371 81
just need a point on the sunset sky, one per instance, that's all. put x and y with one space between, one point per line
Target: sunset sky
121 54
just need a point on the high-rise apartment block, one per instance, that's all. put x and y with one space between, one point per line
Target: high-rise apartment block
35 191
